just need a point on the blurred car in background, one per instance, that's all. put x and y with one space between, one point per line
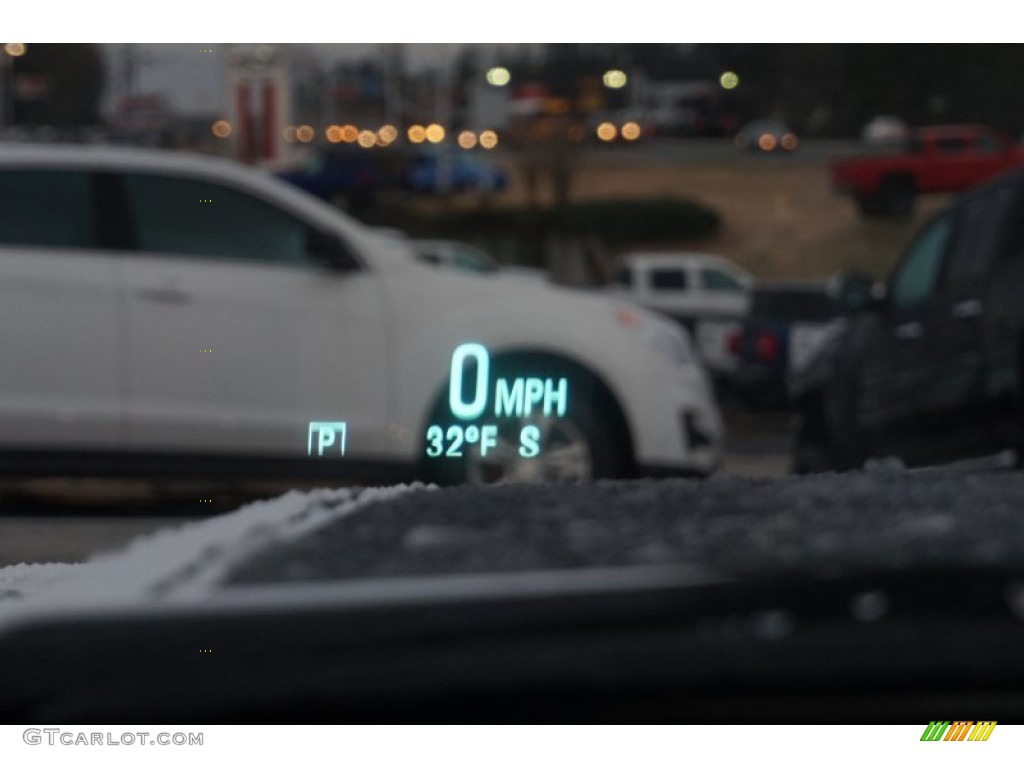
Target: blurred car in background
707 294
766 135
786 323
430 170
346 171
353 173
931 369
209 312
885 130
942 158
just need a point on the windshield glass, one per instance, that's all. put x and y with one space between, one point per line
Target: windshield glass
327 313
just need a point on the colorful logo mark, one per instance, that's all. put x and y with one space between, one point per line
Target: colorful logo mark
961 730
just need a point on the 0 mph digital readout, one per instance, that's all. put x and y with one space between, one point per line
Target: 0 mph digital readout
520 398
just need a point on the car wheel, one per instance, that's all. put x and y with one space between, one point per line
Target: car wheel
868 205
896 197
827 439
581 445
567 452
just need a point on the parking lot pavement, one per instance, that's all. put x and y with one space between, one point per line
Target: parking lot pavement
743 464
757 444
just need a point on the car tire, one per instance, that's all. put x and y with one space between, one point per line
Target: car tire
896 197
868 205
585 440
826 439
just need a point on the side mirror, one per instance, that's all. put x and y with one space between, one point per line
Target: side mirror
329 250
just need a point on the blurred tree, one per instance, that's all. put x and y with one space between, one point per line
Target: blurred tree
833 90
69 81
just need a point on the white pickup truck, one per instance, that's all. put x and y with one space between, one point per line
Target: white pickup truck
708 294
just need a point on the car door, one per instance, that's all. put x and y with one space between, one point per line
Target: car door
236 337
956 161
896 360
720 293
958 391
934 382
966 160
61 378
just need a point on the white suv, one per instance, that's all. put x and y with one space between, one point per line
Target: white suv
161 311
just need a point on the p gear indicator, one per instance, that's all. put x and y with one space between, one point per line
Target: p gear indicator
520 398
330 434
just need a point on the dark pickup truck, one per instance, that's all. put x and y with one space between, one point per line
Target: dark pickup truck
931 368
786 323
936 159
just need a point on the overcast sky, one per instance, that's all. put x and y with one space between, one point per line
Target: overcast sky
191 79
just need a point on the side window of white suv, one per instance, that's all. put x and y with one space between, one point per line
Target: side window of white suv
45 208
192 217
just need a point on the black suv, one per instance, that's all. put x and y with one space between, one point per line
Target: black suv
929 369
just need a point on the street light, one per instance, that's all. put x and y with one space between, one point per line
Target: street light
729 80
435 133
488 139
221 129
607 132
615 79
12 51
417 134
498 76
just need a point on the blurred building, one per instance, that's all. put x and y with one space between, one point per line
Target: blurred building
258 84
56 86
681 107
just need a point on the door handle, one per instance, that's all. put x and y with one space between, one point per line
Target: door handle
908 331
165 295
967 309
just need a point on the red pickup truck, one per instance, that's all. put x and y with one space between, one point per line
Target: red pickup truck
944 158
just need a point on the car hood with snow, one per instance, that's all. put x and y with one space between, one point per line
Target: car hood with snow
709 598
